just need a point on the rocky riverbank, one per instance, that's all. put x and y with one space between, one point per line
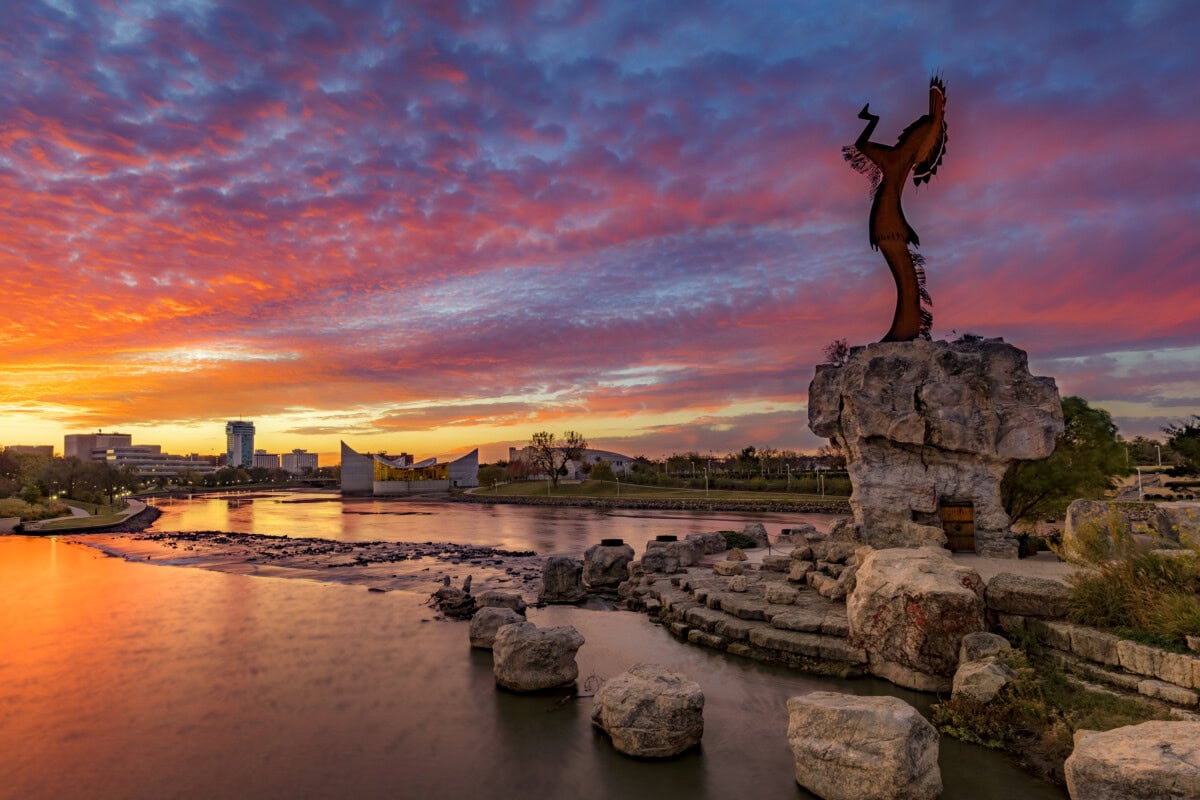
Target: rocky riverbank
830 506
380 566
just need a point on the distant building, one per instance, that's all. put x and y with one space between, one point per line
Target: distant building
239 443
620 464
151 462
264 459
297 461
46 450
87 446
379 474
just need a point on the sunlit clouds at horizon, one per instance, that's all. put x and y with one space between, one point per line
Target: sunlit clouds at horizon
431 226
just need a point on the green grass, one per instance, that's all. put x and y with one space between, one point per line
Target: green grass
81 523
95 508
604 489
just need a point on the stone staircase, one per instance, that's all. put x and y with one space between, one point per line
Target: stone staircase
808 633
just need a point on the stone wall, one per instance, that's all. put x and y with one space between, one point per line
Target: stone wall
926 422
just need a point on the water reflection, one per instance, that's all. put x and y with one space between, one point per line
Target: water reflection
130 680
543 529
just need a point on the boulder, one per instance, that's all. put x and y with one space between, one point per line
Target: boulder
801 552
495 599
781 594
910 609
863 748
1178 523
1159 760
924 421
774 563
736 554
981 645
487 621
562 581
1095 529
650 712
671 557
799 571
709 543
606 565
727 568
980 681
1027 595
738 583
758 532
526 658
796 535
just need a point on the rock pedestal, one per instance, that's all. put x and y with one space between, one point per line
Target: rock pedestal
863 748
1159 760
526 658
910 609
650 712
925 423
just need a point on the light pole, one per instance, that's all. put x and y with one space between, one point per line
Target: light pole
1141 494
706 481
1158 450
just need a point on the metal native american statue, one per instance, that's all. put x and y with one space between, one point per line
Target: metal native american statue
919 150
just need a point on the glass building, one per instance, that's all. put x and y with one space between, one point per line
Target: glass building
239 443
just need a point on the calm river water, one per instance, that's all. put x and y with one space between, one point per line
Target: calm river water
128 680
545 529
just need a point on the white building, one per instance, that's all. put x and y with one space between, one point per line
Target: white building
264 459
620 464
91 446
297 461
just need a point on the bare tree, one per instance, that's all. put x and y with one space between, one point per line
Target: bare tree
837 352
551 456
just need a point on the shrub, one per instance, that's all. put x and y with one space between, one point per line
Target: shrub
738 539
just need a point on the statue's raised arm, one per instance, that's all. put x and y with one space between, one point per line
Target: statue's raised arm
918 151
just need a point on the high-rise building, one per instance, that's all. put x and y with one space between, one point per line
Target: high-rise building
297 461
239 443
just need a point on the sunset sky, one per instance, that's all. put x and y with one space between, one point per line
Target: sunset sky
430 226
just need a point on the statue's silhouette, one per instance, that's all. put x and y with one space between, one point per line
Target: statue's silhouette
919 150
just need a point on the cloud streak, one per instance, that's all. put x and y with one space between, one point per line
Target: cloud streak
452 223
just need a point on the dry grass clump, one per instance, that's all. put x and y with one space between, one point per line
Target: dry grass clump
15 507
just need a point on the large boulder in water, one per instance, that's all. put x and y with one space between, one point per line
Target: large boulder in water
910 609
863 748
526 658
606 565
562 580
650 712
487 621
1159 760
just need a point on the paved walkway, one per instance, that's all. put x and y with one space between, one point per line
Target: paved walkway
132 507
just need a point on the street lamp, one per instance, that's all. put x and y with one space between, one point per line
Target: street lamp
1158 450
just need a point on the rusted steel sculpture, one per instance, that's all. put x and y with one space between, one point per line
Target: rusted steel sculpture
919 150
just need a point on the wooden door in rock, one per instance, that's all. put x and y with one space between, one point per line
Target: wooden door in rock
958 522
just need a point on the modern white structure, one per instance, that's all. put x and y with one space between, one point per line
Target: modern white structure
378 474
239 443
151 462
297 461
264 459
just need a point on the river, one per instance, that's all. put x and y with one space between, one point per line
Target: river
129 680
544 529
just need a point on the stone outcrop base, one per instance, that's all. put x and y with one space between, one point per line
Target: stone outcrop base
1151 761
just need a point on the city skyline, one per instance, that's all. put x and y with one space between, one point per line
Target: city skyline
427 227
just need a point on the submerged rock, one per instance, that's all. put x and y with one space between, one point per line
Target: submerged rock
863 748
526 658
495 599
650 712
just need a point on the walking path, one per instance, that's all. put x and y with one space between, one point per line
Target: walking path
132 507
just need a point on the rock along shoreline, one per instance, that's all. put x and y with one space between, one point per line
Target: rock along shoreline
832 506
